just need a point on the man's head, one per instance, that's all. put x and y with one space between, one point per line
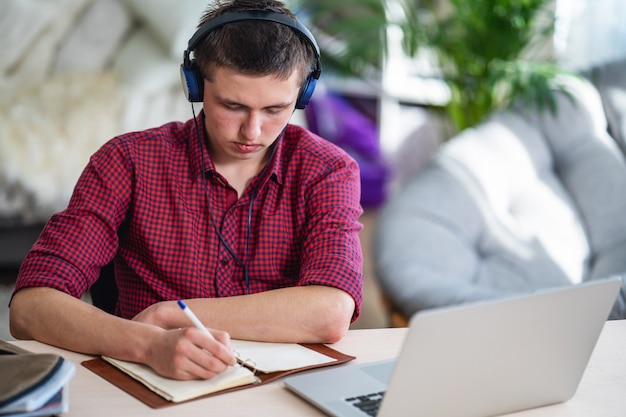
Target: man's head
252 37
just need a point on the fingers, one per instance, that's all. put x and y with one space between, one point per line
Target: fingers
187 369
189 353
198 356
223 351
217 347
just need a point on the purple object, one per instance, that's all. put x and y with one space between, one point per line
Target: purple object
334 118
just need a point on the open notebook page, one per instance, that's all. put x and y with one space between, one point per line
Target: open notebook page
176 390
262 356
273 357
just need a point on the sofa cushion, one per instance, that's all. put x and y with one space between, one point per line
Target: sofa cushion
610 80
487 217
588 162
171 22
33 29
94 38
21 23
524 201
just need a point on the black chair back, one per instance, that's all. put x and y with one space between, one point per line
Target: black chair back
104 291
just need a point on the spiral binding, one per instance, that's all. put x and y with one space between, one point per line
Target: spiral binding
247 363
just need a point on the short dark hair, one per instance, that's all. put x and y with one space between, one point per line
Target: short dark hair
256 47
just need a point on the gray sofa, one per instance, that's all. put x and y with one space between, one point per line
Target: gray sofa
524 201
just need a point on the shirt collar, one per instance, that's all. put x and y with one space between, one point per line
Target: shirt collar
275 166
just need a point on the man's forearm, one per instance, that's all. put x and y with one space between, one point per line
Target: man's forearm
58 319
53 317
308 314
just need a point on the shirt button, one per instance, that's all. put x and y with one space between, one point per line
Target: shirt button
224 261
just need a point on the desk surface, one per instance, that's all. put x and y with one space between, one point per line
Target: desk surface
601 392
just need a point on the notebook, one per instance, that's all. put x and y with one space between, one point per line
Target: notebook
260 363
475 360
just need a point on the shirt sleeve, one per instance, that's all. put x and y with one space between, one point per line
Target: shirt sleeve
332 254
77 242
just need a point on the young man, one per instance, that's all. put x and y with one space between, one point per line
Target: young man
250 220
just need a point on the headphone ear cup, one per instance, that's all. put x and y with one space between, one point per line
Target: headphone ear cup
306 92
193 82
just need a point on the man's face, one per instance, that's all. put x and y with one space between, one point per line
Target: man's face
245 114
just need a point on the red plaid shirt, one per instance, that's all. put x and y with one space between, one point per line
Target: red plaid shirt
143 200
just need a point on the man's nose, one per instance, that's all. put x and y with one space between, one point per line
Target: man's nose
251 128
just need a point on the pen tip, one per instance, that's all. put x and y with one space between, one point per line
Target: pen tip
181 304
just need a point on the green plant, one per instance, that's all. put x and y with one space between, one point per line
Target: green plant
484 48
485 52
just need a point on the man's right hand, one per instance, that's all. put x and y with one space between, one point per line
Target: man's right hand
188 353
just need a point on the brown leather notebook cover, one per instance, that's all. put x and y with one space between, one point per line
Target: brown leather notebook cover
154 400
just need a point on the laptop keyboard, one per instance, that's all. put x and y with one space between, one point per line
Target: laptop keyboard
369 403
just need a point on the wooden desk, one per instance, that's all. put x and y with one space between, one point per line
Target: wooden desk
601 392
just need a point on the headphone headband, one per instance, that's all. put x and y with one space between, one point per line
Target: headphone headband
270 16
189 72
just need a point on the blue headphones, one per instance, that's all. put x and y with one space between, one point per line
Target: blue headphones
192 79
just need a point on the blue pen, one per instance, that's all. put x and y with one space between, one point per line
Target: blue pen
194 319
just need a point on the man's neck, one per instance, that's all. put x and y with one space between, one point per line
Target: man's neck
240 173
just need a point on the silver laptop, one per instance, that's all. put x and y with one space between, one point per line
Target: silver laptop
475 360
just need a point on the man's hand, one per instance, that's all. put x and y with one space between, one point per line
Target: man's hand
164 314
188 353
184 353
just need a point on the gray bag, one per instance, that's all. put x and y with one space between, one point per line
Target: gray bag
21 371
